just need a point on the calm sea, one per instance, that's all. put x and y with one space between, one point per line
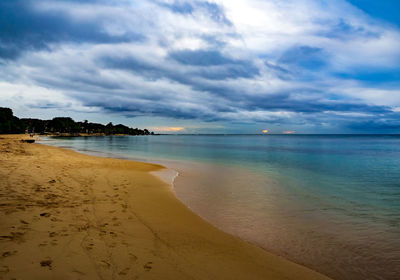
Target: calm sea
329 202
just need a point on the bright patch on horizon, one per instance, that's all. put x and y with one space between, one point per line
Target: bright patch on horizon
289 132
168 128
265 131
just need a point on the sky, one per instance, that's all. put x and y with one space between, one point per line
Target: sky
220 66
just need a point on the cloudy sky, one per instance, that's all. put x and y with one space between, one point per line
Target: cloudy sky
221 66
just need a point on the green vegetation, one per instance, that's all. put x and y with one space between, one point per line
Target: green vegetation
9 124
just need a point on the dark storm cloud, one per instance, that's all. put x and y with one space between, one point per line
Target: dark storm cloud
214 11
201 57
285 101
24 28
209 65
230 99
215 66
388 125
231 71
178 7
222 98
216 113
345 31
137 66
134 108
306 57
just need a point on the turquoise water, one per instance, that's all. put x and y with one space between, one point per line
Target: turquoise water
330 202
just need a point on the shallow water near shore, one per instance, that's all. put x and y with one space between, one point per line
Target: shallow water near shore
329 202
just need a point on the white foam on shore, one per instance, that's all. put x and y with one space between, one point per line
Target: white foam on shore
167 175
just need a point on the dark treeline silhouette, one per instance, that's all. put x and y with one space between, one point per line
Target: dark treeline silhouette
64 125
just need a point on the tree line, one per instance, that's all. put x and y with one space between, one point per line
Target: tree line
10 124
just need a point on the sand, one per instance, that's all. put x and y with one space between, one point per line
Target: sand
66 215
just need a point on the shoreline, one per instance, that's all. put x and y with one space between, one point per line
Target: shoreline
105 217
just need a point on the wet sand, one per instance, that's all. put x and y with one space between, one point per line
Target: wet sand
66 215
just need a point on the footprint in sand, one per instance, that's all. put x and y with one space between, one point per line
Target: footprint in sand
45 214
90 246
8 254
133 257
78 272
46 263
105 264
148 266
124 271
83 227
44 243
17 237
22 208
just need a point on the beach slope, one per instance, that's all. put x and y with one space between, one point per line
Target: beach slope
66 215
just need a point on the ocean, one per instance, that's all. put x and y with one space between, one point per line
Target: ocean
329 202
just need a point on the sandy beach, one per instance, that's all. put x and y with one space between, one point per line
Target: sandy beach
66 215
